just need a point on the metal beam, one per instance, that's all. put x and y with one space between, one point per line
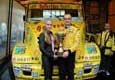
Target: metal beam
9 27
20 3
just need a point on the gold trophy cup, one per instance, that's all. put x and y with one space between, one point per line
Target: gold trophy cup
60 38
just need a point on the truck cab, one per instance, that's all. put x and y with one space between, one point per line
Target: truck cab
26 56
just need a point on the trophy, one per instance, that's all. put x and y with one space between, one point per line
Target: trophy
60 37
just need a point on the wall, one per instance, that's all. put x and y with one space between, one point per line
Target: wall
4 6
4 10
111 17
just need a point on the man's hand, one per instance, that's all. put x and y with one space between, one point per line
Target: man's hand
65 54
55 51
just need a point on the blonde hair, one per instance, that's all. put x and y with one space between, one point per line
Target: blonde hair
47 33
47 37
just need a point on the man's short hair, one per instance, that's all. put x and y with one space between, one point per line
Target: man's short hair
67 14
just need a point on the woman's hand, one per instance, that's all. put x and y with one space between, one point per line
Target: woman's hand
55 56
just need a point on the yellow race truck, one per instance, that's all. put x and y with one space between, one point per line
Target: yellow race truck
26 56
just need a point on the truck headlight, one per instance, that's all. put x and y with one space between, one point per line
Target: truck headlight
96 68
80 73
16 71
35 75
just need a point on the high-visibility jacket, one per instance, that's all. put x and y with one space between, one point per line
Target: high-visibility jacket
70 41
107 42
98 35
113 47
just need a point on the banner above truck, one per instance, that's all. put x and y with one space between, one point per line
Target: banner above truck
54 6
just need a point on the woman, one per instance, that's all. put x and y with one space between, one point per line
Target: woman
46 44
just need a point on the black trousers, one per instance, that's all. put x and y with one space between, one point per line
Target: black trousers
105 61
48 67
66 67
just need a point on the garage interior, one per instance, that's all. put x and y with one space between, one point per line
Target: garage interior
96 14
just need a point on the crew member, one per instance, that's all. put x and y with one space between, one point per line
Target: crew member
106 43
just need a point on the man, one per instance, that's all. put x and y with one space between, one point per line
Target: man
106 43
67 61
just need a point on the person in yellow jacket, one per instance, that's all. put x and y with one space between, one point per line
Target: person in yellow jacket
67 61
106 43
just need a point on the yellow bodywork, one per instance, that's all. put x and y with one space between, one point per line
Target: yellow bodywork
26 57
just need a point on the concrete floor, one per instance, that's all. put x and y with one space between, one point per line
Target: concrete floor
6 75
